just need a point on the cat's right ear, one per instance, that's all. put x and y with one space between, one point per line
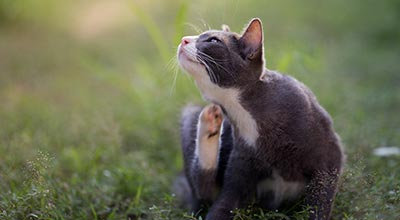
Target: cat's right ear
252 40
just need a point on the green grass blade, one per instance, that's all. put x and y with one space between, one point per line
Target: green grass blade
153 30
180 22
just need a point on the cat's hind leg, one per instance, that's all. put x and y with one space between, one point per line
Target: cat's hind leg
200 133
207 139
204 167
320 193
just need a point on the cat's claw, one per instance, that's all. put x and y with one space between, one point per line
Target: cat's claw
211 120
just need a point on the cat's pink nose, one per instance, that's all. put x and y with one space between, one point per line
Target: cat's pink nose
188 39
185 40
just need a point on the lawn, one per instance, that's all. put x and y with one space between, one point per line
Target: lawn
90 97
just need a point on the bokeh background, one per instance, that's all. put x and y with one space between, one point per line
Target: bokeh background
90 97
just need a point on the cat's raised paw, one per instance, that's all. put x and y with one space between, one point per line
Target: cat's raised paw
211 119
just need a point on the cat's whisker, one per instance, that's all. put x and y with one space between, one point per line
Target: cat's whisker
213 76
176 72
211 58
173 87
205 24
192 53
194 27
214 61
173 65
204 58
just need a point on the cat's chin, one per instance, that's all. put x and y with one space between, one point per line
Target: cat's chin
187 57
189 65
183 58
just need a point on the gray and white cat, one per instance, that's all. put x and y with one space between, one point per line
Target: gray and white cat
265 138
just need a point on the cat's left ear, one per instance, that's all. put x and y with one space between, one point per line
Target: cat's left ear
252 40
226 28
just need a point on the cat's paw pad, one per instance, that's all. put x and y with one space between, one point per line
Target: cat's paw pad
211 120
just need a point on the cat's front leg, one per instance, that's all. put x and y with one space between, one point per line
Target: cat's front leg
204 166
240 185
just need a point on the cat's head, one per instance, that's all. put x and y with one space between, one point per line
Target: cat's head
223 58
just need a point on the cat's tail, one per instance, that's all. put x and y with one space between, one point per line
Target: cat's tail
182 191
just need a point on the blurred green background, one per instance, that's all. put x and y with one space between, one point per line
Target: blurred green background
90 97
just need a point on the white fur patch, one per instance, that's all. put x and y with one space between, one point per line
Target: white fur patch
207 152
282 190
227 97
206 148
247 126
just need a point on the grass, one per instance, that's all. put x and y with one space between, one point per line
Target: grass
89 125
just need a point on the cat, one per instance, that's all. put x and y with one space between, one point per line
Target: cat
265 137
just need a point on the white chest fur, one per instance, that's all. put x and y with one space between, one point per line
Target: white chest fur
281 189
229 99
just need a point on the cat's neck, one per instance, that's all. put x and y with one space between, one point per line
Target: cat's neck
241 118
229 99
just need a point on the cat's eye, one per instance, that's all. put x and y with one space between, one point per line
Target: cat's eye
213 40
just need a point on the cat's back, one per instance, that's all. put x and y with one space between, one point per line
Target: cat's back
282 103
281 97
294 109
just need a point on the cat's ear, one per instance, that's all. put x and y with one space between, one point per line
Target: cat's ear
226 28
252 40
